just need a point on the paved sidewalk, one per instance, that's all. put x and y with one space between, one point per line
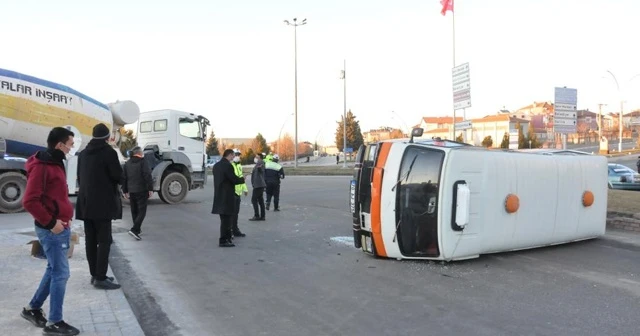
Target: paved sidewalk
93 311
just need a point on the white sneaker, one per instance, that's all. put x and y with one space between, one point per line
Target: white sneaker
134 235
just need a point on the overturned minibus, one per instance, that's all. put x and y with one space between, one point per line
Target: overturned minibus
443 200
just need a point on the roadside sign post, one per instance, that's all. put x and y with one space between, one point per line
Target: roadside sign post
565 112
461 80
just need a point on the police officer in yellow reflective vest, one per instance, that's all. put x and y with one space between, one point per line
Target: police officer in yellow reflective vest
273 172
240 189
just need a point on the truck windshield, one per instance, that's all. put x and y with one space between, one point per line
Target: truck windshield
417 201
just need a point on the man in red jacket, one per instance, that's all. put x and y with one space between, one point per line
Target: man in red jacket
47 200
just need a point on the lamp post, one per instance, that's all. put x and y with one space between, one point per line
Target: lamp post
295 25
402 120
281 128
620 126
344 116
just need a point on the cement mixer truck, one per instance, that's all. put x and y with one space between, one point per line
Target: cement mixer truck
30 107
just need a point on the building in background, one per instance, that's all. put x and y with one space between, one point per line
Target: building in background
495 126
383 133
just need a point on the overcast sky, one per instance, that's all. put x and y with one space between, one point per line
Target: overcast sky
232 61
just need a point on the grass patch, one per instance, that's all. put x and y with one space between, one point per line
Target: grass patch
624 201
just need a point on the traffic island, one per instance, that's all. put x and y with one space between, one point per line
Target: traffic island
623 210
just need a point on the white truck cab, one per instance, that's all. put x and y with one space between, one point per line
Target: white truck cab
174 146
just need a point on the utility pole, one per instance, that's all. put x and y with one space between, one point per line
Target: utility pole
344 124
600 121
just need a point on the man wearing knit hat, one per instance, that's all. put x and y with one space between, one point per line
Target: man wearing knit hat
99 173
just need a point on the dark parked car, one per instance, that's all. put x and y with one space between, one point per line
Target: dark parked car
623 177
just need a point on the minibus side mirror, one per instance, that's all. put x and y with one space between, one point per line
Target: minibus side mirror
416 132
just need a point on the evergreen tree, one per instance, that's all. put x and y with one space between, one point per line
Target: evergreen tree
127 140
354 134
487 142
259 145
531 136
505 141
522 141
212 145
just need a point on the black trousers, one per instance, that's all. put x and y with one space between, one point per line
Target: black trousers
257 199
273 190
234 225
226 222
98 246
138 209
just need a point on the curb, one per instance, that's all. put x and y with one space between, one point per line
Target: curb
623 221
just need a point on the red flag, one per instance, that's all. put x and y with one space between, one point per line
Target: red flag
447 5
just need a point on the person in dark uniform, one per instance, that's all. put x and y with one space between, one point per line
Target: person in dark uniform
224 195
273 173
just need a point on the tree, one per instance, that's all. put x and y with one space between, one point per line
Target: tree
259 144
354 134
487 142
531 136
395 134
305 149
212 145
522 142
460 138
285 147
505 141
127 140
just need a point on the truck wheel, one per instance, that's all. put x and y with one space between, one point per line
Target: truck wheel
174 188
12 188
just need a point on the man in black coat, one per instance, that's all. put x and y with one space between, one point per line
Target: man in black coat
99 202
224 195
137 186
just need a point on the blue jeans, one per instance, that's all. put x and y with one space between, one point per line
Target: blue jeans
54 281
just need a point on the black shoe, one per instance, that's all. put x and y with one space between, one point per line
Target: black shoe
239 234
35 316
106 285
227 243
60 328
134 235
93 279
254 218
276 209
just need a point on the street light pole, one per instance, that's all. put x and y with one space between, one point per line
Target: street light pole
295 25
344 117
280 134
621 107
402 121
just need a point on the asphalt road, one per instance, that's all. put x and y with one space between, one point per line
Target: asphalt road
288 277
613 146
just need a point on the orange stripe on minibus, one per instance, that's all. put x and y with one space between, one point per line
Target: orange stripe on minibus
376 199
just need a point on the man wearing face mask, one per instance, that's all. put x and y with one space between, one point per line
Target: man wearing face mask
240 189
47 200
259 185
224 195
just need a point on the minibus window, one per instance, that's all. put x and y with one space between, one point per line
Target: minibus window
417 201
